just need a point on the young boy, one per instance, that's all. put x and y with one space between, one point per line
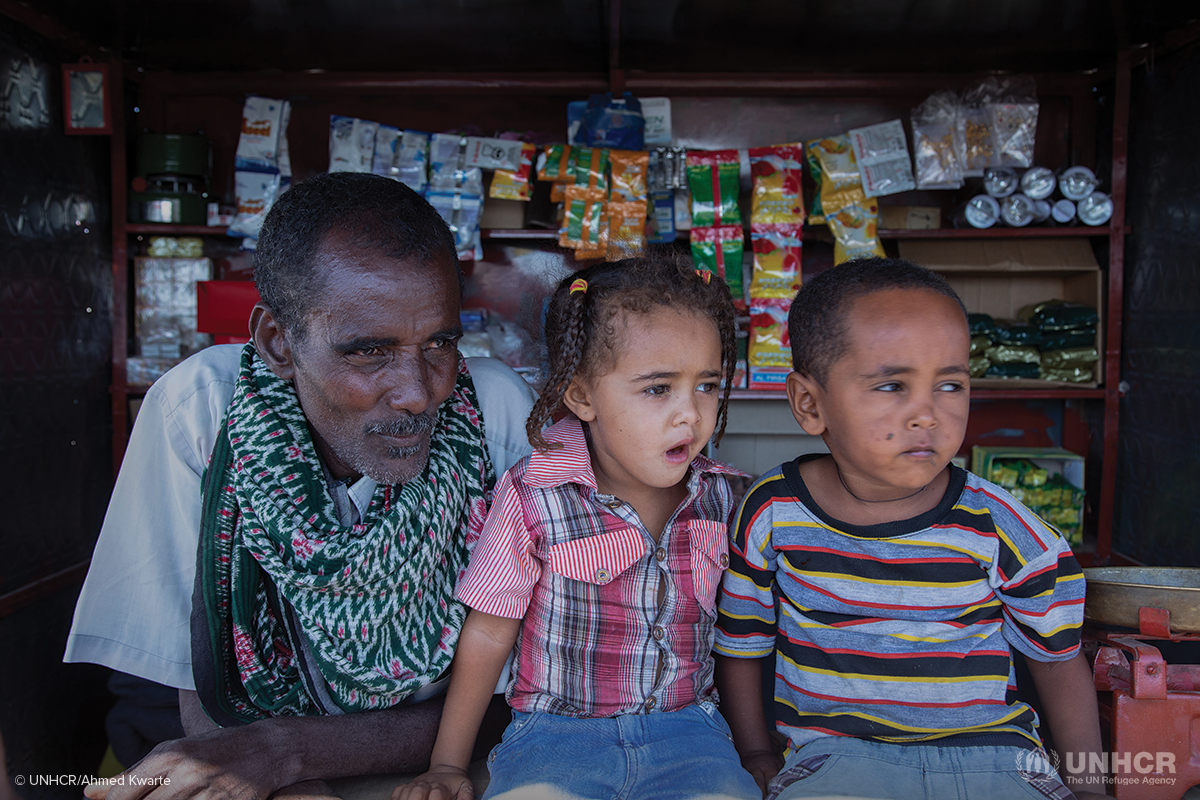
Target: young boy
890 585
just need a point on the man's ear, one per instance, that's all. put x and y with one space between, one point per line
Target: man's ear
804 397
271 341
578 400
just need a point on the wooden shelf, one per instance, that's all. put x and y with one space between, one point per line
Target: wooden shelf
517 233
1052 393
168 229
996 232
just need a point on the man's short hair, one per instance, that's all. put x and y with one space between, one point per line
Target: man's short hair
817 322
379 212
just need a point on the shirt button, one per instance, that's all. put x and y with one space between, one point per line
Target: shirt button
603 576
658 634
650 704
660 554
614 503
724 560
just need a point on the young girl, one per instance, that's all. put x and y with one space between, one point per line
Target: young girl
601 557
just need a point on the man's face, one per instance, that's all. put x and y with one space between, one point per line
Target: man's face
378 357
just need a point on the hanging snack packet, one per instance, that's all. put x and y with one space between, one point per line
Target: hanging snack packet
713 181
351 144
600 249
388 140
514 185
412 160
776 272
553 162
589 167
264 126
581 222
769 345
719 250
629 171
882 155
841 184
936 159
447 165
626 229
461 212
855 232
776 198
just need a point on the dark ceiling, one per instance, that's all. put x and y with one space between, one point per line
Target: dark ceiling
654 35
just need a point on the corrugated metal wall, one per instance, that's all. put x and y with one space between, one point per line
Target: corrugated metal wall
55 417
1158 478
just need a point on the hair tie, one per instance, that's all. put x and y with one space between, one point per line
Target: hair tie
578 285
705 274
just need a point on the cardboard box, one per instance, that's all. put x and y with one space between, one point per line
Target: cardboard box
910 218
502 214
998 277
1055 460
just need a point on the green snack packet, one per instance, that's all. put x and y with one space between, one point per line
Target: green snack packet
1017 334
1068 374
1056 316
1013 354
1012 371
817 216
588 166
978 366
1004 475
713 182
1068 340
1069 359
719 251
981 324
979 344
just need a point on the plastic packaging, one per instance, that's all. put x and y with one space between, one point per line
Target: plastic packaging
1059 316
934 154
981 211
837 174
855 232
1095 209
351 144
629 172
581 222
776 197
713 181
588 166
626 229
1000 181
777 259
1063 211
1013 354
553 163
461 212
613 122
769 345
448 170
264 131
514 184
882 155
1017 210
719 250
1038 183
1077 182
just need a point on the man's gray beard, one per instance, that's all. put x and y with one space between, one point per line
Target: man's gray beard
410 425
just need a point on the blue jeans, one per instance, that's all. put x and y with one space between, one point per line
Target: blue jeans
678 755
845 767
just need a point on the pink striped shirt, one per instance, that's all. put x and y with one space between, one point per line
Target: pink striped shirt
585 576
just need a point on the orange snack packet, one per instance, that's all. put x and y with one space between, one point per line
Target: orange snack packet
629 169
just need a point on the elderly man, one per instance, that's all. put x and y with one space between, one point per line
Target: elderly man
306 500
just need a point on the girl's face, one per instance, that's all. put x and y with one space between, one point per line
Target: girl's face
657 408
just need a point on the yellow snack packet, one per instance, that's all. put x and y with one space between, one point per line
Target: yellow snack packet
841 185
514 185
769 345
626 229
629 169
855 232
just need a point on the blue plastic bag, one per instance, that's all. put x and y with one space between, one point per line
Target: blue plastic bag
614 122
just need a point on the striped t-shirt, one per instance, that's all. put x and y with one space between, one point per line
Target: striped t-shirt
899 631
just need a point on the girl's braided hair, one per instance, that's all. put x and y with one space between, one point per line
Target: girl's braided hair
582 338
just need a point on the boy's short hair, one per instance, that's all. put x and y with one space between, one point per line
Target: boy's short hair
817 320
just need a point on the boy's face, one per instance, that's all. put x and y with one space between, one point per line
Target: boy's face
893 410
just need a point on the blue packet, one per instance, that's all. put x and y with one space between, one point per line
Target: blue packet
614 122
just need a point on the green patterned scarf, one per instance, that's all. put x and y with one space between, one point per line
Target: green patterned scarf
375 601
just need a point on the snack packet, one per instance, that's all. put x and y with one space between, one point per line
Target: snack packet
882 155
841 184
461 212
626 229
776 197
351 144
588 167
514 185
934 153
855 231
713 181
600 249
769 345
582 218
263 134
629 171
776 269
719 250
553 163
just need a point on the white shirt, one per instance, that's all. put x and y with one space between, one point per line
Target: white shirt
133 612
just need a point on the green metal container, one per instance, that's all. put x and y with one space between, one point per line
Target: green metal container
172 154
